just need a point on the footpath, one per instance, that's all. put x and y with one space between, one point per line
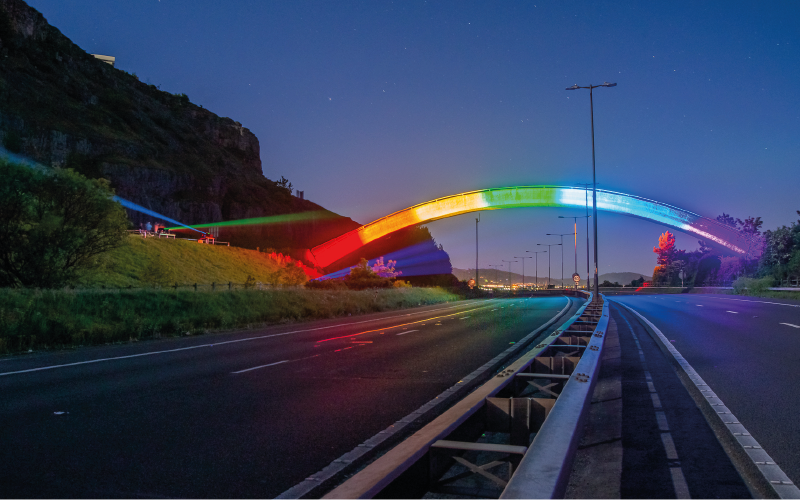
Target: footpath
645 436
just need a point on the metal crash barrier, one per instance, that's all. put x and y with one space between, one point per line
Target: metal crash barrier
513 437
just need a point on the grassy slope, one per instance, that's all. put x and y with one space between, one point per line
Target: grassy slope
47 319
187 262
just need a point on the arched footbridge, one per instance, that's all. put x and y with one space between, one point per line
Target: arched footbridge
529 197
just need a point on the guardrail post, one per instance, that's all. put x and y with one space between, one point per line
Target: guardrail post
230 285
213 286
195 287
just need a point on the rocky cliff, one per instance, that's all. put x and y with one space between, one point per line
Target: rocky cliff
64 108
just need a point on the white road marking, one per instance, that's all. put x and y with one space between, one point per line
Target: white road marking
678 479
699 305
408 331
465 317
52 367
789 324
768 468
262 366
732 312
758 301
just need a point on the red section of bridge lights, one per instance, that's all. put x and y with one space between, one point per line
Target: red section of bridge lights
337 248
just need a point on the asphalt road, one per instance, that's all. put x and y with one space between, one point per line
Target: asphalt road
748 351
241 414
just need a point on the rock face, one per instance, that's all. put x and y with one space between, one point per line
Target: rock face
63 108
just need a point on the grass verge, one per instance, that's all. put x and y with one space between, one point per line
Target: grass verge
54 319
141 262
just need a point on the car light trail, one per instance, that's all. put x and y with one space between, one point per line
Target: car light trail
398 326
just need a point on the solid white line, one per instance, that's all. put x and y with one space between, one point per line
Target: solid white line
408 331
248 339
262 366
789 324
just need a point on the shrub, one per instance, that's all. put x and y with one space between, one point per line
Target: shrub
331 284
54 225
751 286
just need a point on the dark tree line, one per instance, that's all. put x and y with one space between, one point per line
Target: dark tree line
772 254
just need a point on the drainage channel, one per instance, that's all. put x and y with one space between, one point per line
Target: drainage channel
513 437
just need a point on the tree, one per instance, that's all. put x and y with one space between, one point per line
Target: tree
385 270
285 184
639 282
54 225
362 277
665 249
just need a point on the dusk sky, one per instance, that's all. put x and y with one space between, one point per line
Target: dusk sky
370 107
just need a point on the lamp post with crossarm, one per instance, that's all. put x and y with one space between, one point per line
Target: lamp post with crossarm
562 253
594 176
536 283
509 271
576 244
523 268
548 245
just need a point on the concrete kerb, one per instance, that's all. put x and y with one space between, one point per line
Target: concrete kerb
315 485
544 471
763 477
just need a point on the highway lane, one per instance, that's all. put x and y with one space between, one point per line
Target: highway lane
748 351
242 414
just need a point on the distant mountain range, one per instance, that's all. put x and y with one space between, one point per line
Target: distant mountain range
492 276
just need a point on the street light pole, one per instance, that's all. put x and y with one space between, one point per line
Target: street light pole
548 245
586 191
495 266
523 268
594 176
576 244
562 253
509 269
477 273
537 264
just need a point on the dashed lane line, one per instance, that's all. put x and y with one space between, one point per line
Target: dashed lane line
262 366
757 301
679 484
766 466
732 312
248 339
407 331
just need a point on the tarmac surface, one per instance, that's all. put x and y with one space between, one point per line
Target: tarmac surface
645 436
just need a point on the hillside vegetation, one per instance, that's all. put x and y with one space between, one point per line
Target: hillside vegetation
48 319
145 262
